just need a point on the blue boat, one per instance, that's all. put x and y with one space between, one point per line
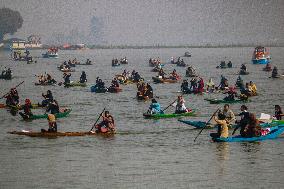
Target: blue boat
95 89
274 133
260 56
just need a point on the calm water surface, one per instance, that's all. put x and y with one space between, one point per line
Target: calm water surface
144 153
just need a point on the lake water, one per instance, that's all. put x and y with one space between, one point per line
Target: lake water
144 153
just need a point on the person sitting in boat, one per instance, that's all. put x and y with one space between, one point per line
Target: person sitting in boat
52 125
247 90
243 68
275 72
114 83
229 114
53 107
278 112
149 91
223 131
27 109
174 75
66 77
137 77
210 86
253 88
88 61
240 82
50 79
252 129
48 97
184 86
242 123
222 64
193 84
180 106
230 65
155 107
190 71
172 60
83 77
223 83
231 94
161 73
107 123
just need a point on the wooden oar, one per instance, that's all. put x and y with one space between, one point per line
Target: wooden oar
97 120
13 87
206 124
169 105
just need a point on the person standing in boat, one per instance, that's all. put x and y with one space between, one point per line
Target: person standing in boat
27 109
210 86
242 123
107 123
275 72
180 106
278 112
52 125
66 78
155 107
253 88
229 114
83 77
222 131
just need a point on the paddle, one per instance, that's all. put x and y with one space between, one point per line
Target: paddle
169 105
97 120
206 124
14 87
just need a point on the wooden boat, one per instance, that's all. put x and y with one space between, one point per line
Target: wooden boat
274 133
165 80
67 70
114 89
216 101
76 84
59 134
144 98
45 83
159 116
63 113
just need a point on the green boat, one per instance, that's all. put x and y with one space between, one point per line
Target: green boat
161 116
216 101
76 84
62 114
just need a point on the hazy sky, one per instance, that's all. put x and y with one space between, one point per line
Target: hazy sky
150 22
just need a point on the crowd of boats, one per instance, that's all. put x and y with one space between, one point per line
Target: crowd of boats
250 126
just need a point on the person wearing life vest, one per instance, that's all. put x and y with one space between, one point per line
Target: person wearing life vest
27 109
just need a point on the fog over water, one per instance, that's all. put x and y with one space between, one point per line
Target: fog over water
151 22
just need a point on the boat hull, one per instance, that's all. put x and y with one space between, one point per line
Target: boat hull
160 116
260 61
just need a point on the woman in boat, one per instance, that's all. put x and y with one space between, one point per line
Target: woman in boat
174 75
252 129
155 107
149 91
210 86
107 123
27 109
190 72
242 123
48 97
161 73
52 125
53 107
229 114
200 86
83 77
180 106
275 72
278 112
222 131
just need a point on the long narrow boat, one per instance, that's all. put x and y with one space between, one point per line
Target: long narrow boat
201 124
166 80
114 89
216 101
160 116
62 114
274 133
76 84
59 134
34 106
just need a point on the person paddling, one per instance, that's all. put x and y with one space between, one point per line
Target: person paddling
107 123
52 125
27 109
222 131
12 98
155 107
53 107
229 114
